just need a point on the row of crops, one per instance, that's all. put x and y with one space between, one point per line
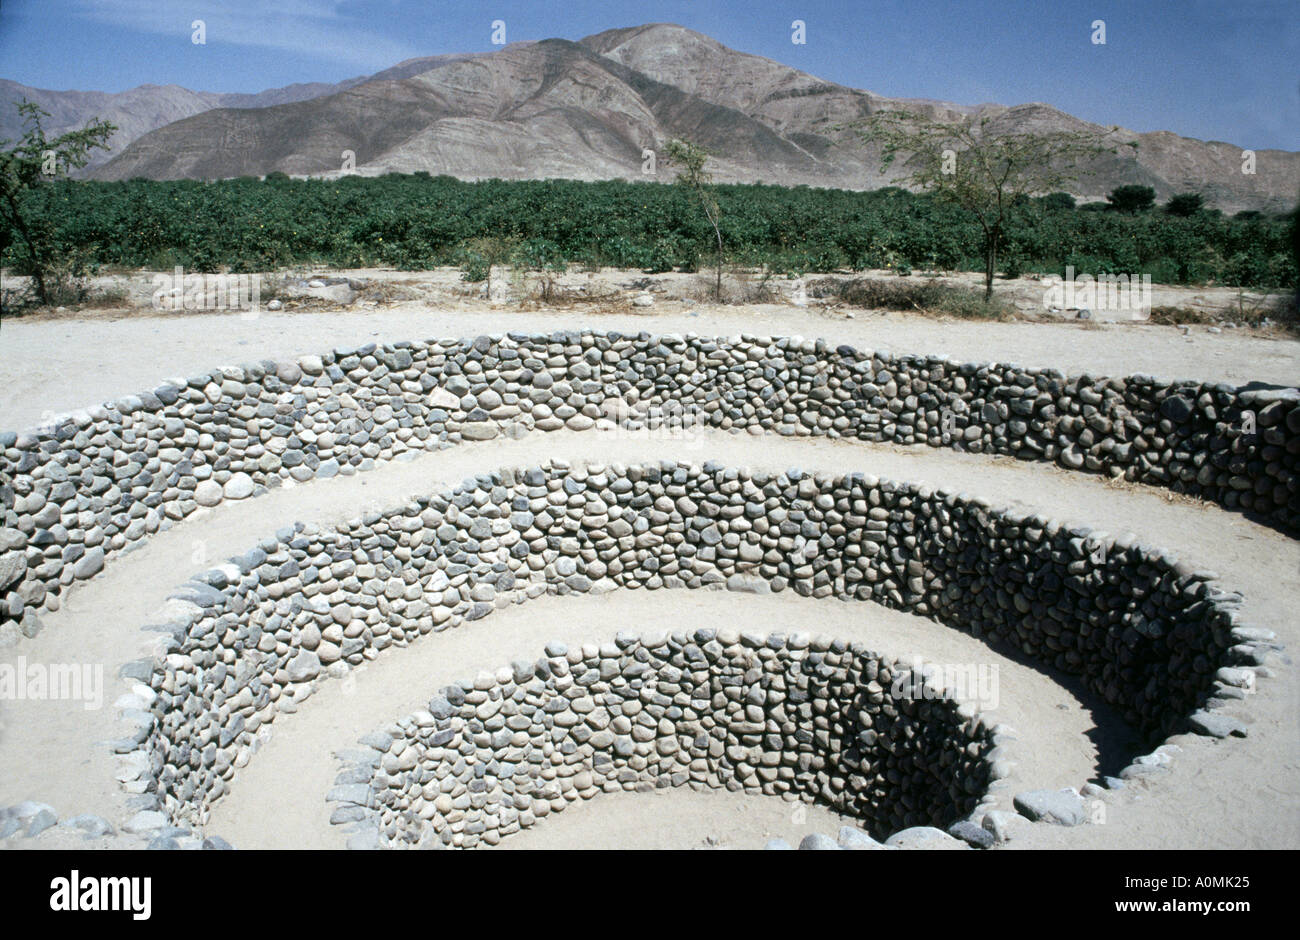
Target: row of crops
418 221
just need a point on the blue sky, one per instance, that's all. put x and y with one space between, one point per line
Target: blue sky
1203 68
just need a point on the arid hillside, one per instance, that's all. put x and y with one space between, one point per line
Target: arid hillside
589 110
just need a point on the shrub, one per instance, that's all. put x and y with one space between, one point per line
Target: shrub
474 268
1125 263
419 222
1013 264
967 304
1185 204
920 296
663 256
1131 198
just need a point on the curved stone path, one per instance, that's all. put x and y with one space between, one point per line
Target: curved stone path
56 366
1218 793
1053 723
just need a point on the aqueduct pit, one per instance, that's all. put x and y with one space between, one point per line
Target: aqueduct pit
1157 640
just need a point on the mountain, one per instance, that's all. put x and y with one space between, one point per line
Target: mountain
546 109
137 111
587 110
807 110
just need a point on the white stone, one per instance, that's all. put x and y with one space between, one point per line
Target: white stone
239 486
208 493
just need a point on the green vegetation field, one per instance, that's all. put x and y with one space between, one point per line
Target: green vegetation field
417 221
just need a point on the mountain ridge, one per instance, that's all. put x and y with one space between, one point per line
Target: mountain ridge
586 109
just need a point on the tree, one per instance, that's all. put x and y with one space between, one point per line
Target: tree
1185 204
694 177
1131 198
1058 201
982 170
488 252
1295 250
32 161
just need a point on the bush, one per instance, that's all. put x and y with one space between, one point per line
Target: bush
1013 265
1058 202
1165 271
1131 198
663 257
1185 204
474 268
878 294
539 254
969 304
921 296
421 222
1125 262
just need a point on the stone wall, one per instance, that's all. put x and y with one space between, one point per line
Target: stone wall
1152 637
797 717
102 479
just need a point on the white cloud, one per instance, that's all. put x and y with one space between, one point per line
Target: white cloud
315 28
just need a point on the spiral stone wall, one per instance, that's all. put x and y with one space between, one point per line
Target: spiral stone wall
799 717
100 480
1152 637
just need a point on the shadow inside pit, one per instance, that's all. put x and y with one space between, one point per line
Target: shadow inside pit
1117 742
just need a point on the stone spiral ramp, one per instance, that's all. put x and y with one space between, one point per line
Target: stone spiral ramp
1054 724
47 749
1250 787
59 366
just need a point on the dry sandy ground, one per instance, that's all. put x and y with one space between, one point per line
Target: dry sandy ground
1029 295
1218 793
52 366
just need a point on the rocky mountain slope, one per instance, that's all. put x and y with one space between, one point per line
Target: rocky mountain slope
808 111
139 110
136 111
587 110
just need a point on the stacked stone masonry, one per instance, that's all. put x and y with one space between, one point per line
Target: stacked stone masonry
799 717
98 481
1155 639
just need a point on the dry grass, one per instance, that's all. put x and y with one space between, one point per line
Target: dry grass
1177 316
65 287
544 291
925 296
739 287
1273 311
387 292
